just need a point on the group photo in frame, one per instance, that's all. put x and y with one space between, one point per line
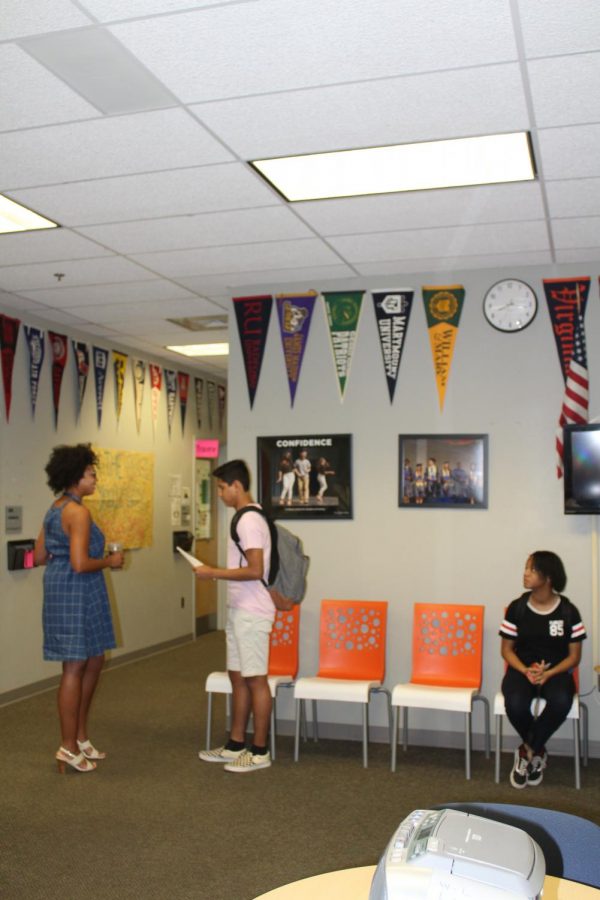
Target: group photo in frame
305 476
443 470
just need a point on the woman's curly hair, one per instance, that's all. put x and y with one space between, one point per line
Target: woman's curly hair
67 465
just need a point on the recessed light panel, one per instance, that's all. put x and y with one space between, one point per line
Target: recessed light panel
460 162
201 349
14 217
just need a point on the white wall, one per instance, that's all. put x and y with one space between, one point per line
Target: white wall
507 386
146 595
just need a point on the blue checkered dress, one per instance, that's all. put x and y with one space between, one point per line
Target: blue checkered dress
76 616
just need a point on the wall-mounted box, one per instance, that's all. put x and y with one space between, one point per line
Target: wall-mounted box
20 554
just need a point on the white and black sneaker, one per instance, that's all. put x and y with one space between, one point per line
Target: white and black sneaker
535 769
518 776
250 762
221 755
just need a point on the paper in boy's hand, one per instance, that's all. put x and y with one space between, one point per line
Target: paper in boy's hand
194 563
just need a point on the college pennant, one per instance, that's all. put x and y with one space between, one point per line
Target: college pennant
567 300
59 345
294 312
253 315
222 399
199 391
100 358
139 377
211 391
119 368
9 334
443 306
171 391
392 312
183 382
343 312
35 343
155 386
81 357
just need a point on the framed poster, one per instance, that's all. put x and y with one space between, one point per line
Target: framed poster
443 470
305 477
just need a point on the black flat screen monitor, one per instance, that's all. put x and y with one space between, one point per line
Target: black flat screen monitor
581 461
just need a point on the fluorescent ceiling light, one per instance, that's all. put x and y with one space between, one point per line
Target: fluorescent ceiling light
405 167
14 217
201 349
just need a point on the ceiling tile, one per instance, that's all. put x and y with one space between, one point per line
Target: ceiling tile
577 233
110 10
566 89
267 280
99 294
457 265
392 111
37 16
142 142
418 209
314 44
127 312
153 195
49 244
575 197
434 242
206 230
554 26
90 271
22 77
570 152
586 255
238 258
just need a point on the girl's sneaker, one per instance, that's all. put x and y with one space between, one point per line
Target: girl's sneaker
518 776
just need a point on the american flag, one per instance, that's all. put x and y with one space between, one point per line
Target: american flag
576 397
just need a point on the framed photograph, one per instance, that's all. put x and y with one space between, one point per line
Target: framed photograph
306 476
443 470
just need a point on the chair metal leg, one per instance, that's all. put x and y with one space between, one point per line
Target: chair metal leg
273 720
585 727
315 722
365 741
577 754
228 712
486 723
303 715
498 748
405 727
208 719
468 746
297 732
394 742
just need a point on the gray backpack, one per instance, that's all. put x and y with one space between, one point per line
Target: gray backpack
289 564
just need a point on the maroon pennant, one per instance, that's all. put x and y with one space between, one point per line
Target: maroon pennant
9 333
567 299
59 345
253 315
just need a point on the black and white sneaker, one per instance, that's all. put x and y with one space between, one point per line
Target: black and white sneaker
535 769
518 776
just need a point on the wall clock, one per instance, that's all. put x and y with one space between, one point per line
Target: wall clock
510 305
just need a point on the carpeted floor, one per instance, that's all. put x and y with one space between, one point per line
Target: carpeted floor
155 822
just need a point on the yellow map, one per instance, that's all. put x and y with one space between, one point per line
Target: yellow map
122 505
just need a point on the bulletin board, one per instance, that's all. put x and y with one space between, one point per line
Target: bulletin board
123 503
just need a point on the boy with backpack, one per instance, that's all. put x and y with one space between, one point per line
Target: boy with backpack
250 615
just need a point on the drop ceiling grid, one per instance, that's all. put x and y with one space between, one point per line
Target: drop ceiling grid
65 296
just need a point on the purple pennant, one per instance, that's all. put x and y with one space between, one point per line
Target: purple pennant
295 314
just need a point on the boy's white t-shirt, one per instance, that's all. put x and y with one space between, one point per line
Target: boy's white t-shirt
251 596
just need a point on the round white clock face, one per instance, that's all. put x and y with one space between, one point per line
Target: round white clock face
510 305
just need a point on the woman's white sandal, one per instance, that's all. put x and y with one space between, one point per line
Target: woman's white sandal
77 761
89 751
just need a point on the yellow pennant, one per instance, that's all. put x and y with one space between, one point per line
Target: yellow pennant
443 306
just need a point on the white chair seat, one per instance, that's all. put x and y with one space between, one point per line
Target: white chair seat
500 708
341 689
220 683
453 699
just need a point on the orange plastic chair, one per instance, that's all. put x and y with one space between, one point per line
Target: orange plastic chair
283 668
578 711
446 669
351 661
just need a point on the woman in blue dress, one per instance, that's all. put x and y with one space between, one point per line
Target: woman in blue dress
76 617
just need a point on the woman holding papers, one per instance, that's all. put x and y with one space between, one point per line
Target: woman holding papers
76 616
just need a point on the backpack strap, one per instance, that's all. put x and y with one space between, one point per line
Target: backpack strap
234 532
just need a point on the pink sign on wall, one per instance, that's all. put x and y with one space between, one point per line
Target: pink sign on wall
207 449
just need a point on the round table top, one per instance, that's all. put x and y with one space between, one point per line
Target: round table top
354 884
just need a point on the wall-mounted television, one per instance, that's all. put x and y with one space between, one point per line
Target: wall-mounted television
581 462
